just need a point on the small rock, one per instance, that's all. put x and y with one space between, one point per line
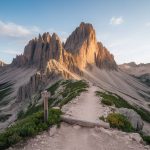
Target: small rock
52 131
76 127
147 147
106 131
136 137
97 129
133 117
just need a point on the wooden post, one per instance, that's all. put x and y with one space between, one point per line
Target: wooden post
45 96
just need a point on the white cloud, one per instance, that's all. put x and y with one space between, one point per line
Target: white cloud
148 24
116 20
11 29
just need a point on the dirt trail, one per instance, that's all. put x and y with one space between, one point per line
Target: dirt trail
86 107
73 137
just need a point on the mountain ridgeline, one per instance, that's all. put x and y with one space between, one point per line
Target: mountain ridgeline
80 49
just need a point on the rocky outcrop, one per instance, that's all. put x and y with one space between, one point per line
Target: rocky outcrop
139 71
86 50
50 56
81 48
133 117
104 59
40 80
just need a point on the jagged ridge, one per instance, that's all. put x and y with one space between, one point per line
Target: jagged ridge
81 48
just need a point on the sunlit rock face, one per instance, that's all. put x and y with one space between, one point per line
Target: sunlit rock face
83 45
80 49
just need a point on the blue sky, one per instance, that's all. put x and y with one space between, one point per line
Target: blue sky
122 26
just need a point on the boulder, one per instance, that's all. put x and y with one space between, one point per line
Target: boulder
136 137
133 117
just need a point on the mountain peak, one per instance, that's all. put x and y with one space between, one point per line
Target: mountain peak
86 26
81 48
85 31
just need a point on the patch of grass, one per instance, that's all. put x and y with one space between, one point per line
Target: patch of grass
27 127
70 89
120 122
102 118
30 111
31 122
54 87
115 99
121 103
146 139
107 102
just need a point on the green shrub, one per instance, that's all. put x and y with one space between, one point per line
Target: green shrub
146 139
119 121
71 89
54 116
54 87
120 102
27 127
13 139
107 102
102 118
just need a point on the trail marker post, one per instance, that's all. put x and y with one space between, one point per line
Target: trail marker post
45 96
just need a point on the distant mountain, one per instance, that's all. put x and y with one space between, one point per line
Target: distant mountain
140 71
135 69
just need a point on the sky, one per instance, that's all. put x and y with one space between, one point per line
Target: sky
123 26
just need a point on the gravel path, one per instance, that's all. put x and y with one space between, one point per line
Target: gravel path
67 137
86 107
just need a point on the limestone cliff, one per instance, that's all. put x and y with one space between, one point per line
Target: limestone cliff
86 50
53 58
81 48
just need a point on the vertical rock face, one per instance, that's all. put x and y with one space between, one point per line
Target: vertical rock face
81 48
53 59
83 45
49 54
104 59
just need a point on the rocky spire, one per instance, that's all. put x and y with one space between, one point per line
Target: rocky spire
76 39
82 42
81 48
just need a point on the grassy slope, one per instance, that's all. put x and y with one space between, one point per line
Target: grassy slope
113 99
31 122
71 89
28 127
119 102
